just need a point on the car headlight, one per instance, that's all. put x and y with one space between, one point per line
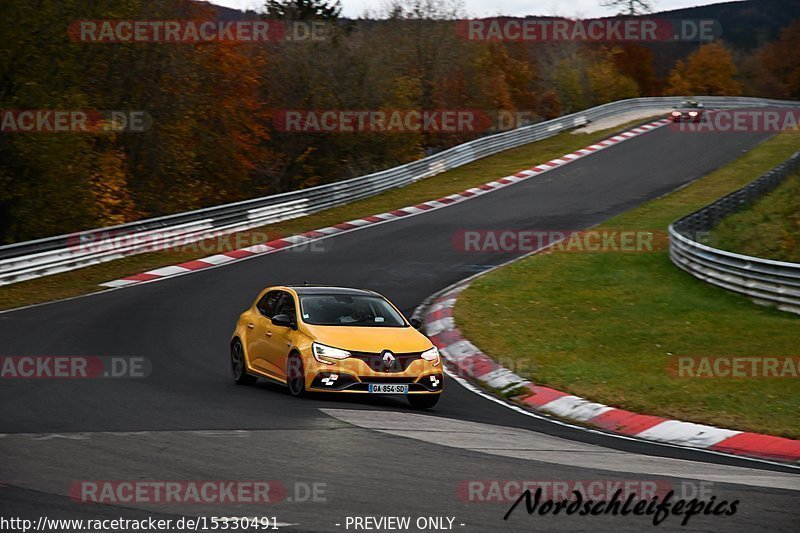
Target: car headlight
328 354
676 113
692 113
432 355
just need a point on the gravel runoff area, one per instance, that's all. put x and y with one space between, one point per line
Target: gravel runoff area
623 118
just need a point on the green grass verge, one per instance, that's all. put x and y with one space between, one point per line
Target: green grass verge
87 280
769 228
604 325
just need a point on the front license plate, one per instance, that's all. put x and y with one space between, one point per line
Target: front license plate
387 388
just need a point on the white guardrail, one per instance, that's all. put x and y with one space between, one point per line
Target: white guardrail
52 255
765 281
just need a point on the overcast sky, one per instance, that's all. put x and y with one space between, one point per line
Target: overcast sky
482 8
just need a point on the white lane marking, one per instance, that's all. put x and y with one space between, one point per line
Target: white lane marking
575 408
502 378
221 433
328 231
297 239
68 436
217 259
115 284
444 304
529 445
168 271
358 222
459 350
256 249
687 433
438 326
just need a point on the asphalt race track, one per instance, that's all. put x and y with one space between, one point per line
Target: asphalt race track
189 421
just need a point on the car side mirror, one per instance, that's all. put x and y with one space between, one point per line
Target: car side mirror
415 323
283 321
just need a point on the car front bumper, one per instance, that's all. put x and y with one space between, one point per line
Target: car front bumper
346 382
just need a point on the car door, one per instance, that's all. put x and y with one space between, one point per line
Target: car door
259 330
282 338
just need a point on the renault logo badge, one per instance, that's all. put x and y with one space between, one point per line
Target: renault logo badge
388 358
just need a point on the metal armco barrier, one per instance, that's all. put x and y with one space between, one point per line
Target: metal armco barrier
27 260
765 281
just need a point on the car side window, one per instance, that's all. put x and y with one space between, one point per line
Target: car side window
286 306
268 305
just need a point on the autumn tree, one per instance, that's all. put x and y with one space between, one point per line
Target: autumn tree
636 62
709 70
781 59
202 148
606 82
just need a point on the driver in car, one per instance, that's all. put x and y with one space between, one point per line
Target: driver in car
359 312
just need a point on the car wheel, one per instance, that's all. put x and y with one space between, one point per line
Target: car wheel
238 365
423 401
295 376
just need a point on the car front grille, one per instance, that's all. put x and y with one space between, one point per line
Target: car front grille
375 361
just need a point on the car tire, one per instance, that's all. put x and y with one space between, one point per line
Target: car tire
239 366
423 401
295 375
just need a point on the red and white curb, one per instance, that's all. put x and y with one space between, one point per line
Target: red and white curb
352 225
466 360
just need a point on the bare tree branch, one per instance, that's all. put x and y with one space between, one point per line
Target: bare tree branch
629 7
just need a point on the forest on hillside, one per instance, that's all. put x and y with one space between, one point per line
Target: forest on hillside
213 138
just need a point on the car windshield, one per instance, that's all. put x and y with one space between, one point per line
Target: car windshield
349 310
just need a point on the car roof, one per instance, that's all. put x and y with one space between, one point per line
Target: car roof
303 290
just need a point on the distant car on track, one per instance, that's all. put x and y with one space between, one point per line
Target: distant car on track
335 339
688 111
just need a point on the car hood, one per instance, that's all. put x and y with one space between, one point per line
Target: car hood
370 339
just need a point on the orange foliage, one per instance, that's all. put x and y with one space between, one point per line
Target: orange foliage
709 70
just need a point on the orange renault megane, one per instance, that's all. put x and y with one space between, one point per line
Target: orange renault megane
335 339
